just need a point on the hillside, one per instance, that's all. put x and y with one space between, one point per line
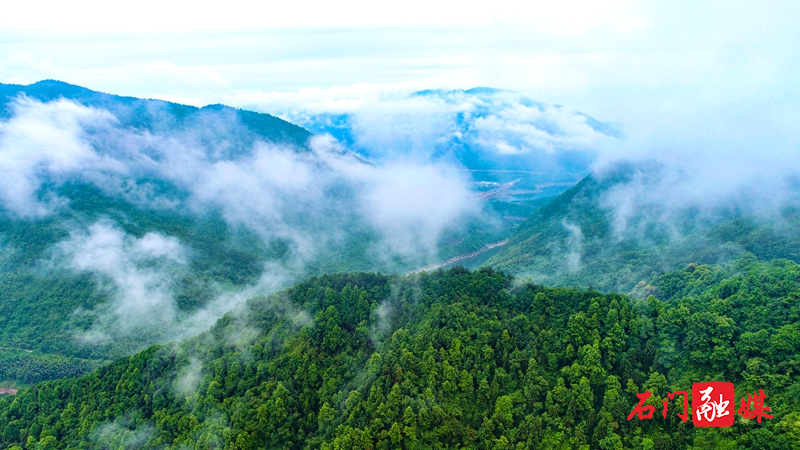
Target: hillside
47 303
126 222
450 359
577 239
158 116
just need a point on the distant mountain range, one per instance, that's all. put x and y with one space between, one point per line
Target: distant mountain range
482 128
499 136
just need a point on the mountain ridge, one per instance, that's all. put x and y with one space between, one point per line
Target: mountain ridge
240 198
138 109
573 240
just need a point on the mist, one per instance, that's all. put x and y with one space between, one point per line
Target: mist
501 129
41 139
666 197
741 165
387 169
312 200
138 274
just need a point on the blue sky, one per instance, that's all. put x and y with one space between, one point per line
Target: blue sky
691 73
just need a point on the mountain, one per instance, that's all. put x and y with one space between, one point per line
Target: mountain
126 222
444 360
618 229
483 128
46 303
157 115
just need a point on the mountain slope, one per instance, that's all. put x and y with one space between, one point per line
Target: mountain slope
127 222
158 115
588 236
447 359
47 303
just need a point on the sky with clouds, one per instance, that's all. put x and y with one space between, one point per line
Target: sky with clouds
715 78
613 60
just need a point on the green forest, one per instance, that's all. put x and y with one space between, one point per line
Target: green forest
545 346
447 359
572 241
224 257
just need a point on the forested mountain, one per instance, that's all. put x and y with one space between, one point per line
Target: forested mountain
616 230
161 116
126 222
449 359
41 294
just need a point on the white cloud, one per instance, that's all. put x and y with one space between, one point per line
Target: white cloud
311 199
45 140
188 378
138 274
573 244
531 128
409 203
386 120
278 192
90 17
706 177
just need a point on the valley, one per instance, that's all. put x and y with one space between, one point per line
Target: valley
461 258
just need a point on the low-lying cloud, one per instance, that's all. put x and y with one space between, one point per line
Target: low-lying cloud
708 172
277 191
380 120
311 198
138 274
44 140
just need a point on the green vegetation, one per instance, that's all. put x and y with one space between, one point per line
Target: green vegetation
450 359
572 240
447 359
518 210
40 300
29 367
159 115
47 305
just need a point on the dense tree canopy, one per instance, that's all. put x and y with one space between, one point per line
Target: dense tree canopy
449 359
